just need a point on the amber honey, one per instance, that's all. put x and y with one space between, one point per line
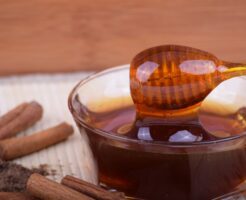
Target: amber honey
170 81
156 149
187 175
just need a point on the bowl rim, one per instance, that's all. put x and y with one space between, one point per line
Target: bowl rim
105 134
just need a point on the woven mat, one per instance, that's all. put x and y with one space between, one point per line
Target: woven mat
71 157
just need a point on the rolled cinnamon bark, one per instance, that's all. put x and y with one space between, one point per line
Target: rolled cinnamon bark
45 189
91 190
19 119
17 147
12 114
15 196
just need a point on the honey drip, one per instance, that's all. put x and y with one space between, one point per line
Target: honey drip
169 82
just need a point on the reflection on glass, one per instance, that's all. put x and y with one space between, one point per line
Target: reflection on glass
184 136
197 67
145 70
144 134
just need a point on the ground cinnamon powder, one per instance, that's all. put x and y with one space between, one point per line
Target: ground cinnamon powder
13 177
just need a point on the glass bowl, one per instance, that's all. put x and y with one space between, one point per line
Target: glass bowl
151 169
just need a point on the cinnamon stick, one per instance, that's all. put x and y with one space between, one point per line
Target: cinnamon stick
15 196
17 147
19 119
91 189
45 189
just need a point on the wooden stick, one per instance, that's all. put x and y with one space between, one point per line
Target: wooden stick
45 189
91 189
17 147
15 196
19 119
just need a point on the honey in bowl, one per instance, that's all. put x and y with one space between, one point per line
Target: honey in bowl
155 148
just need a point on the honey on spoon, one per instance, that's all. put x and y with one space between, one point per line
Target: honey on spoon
171 81
168 84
